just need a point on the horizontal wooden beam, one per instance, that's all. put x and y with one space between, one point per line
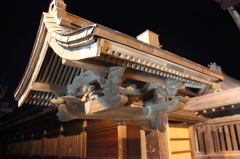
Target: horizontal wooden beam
86 64
46 87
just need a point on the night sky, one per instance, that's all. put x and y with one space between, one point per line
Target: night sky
198 30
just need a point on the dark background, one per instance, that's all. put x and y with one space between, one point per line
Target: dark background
198 30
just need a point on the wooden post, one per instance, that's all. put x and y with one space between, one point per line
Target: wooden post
143 144
122 141
158 143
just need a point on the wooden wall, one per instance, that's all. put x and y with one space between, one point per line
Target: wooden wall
95 139
180 143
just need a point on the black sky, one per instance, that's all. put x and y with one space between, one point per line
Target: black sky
198 30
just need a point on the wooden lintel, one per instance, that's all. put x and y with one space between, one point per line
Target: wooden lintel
37 86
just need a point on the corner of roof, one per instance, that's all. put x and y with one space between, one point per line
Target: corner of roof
57 9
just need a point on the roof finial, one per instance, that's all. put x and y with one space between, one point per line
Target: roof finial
214 67
57 9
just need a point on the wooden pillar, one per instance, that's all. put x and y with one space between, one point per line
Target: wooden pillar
158 143
122 141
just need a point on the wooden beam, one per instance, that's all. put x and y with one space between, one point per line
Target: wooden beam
46 87
86 64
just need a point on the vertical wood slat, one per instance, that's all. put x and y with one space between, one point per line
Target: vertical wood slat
228 140
201 141
234 139
63 146
208 140
80 145
59 145
221 135
84 145
143 145
196 139
216 139
238 133
122 142
192 144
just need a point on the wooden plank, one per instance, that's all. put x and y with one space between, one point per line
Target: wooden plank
238 133
59 145
196 138
192 144
107 133
221 135
143 145
201 140
37 86
84 144
208 140
133 142
102 153
216 138
228 140
100 124
233 137
103 143
122 142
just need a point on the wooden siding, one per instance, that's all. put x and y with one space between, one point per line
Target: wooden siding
180 144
